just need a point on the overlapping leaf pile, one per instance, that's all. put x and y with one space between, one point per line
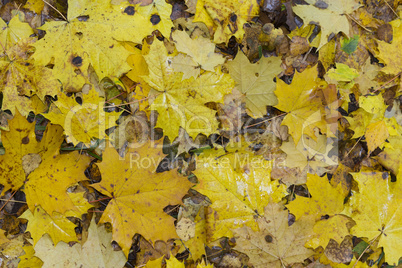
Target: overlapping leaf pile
200 133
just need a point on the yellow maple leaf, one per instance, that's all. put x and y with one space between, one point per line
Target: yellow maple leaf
155 263
304 109
29 260
226 18
276 244
308 152
21 142
359 120
369 120
57 226
333 228
35 6
172 262
200 54
143 95
377 212
390 53
138 200
373 104
83 122
349 80
202 264
390 158
180 103
325 199
13 31
354 263
331 16
138 65
306 31
74 45
47 185
80 203
255 81
20 79
156 17
97 251
186 65
193 235
239 187
344 77
327 52
11 249
376 134
366 79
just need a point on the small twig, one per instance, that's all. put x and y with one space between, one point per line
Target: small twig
105 198
185 247
216 253
308 52
364 251
112 106
266 120
19 6
172 209
114 97
8 201
293 191
79 155
128 263
5 52
15 201
122 108
354 146
386 83
133 86
82 148
283 265
393 11
358 23
61 14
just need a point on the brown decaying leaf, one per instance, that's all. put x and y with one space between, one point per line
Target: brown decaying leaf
276 244
147 252
340 253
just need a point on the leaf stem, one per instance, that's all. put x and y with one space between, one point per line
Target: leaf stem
5 52
354 20
364 251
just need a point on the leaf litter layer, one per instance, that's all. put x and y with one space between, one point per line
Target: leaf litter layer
200 133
